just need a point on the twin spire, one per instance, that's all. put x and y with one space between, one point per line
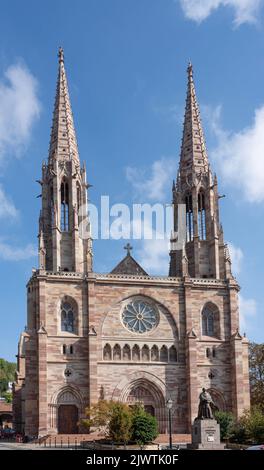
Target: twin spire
63 142
193 149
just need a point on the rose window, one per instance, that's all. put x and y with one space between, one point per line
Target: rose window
139 316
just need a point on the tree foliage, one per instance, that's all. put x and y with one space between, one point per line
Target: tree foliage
121 423
226 422
144 426
7 374
256 374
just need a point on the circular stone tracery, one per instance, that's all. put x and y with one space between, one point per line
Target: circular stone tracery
139 316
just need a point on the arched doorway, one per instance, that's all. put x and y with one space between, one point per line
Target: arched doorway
150 396
67 419
140 394
66 411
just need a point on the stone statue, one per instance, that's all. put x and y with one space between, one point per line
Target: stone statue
205 406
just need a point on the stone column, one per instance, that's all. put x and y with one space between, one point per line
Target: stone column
246 373
191 370
92 343
42 378
237 376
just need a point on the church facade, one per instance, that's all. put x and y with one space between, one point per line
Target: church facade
127 335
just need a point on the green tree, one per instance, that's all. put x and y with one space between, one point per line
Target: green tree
144 426
256 374
7 396
98 415
120 424
252 421
226 422
7 374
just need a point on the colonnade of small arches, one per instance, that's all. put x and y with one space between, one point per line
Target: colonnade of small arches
137 353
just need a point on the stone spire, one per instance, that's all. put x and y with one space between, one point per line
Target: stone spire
63 142
193 149
65 242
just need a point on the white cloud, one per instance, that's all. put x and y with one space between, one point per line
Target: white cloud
247 310
153 184
240 155
10 253
153 256
245 11
7 208
19 108
237 257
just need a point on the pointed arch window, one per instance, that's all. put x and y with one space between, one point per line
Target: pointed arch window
145 353
67 317
173 354
126 353
117 353
201 216
136 353
79 196
189 217
52 205
107 353
164 354
154 353
64 206
207 322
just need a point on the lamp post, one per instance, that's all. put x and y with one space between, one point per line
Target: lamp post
169 406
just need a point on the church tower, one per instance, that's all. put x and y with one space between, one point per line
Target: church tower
204 254
62 245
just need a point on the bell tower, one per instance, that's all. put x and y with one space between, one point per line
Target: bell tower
65 242
204 254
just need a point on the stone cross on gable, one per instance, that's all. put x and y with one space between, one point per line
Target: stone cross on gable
128 247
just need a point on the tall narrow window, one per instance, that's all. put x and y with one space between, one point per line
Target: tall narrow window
117 353
164 354
52 205
79 198
126 353
189 217
64 206
67 317
107 352
207 322
201 216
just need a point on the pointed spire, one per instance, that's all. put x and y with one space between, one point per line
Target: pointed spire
193 150
63 142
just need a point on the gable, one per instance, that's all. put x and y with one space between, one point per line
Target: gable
129 265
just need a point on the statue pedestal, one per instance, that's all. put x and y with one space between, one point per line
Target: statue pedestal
206 435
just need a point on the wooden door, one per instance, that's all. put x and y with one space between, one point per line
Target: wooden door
68 419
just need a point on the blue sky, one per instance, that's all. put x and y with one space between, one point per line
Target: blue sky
126 65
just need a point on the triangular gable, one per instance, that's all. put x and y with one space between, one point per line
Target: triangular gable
129 265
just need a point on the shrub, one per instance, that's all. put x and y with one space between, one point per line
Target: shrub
144 426
226 422
120 424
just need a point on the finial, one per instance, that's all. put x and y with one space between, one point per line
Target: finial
173 185
190 69
61 55
128 247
